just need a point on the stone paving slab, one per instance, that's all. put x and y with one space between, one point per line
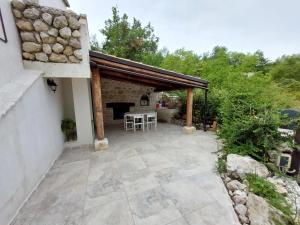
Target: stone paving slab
161 177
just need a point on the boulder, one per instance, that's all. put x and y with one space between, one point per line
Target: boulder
53 32
68 51
260 212
40 26
31 2
241 209
17 13
31 13
57 48
74 43
27 36
238 199
41 56
17 4
58 58
31 47
244 219
73 59
78 54
47 49
28 56
62 41
24 25
73 23
47 39
279 185
37 37
235 185
76 34
242 165
65 32
60 22
48 18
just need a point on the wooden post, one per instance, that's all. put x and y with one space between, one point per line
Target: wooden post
205 110
189 107
97 103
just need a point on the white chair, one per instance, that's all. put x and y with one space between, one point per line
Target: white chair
128 122
151 120
138 122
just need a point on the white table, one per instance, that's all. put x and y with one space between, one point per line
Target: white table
142 115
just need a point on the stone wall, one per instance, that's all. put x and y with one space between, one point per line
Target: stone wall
48 34
117 91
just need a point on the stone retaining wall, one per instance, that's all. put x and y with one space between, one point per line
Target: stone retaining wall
48 34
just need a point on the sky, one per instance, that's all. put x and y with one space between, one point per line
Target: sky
272 26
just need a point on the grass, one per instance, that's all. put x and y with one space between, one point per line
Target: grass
221 165
266 189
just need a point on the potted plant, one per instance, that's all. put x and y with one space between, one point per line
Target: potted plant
68 126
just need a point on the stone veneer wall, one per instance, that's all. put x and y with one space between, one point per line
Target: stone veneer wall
117 91
48 34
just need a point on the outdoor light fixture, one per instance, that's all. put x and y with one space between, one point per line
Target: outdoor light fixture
52 84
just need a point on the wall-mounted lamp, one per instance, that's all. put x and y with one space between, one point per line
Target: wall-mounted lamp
52 84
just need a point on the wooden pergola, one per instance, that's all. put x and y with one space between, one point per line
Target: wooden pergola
115 68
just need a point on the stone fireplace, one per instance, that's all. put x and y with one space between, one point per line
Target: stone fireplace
120 97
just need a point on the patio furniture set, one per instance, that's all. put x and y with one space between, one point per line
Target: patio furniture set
139 121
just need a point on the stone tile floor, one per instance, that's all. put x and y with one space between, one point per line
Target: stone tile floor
161 177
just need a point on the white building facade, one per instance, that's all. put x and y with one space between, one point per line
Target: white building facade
30 112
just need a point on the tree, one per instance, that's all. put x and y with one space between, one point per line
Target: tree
128 40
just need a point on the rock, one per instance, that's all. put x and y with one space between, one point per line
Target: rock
37 37
242 165
76 34
31 47
48 18
68 50
244 219
27 36
58 58
24 25
60 22
53 32
235 185
273 154
284 147
28 56
41 56
73 23
74 43
65 32
17 13
279 185
31 13
47 49
57 48
18 5
31 2
47 39
40 26
78 54
260 212
227 179
238 199
241 209
73 59
240 193
62 41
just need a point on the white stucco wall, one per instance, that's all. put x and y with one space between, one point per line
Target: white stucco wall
10 54
83 112
31 140
53 3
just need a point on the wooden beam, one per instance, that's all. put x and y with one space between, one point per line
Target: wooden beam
97 103
187 82
189 107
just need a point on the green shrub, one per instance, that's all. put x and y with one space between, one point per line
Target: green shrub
221 165
68 126
265 189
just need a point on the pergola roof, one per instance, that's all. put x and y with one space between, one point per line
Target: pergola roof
126 70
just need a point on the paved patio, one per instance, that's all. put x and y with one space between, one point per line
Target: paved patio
158 177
